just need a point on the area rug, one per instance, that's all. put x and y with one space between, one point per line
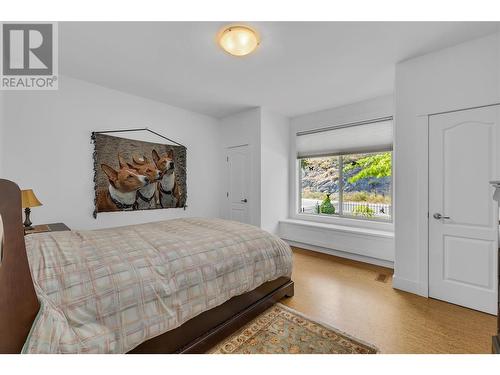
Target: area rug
281 330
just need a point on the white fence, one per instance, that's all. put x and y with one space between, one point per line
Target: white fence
380 210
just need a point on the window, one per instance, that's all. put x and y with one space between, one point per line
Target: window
346 171
355 185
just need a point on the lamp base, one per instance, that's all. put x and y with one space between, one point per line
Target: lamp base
27 222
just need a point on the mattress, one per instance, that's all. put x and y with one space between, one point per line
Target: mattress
109 290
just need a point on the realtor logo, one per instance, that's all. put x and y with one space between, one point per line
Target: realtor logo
29 56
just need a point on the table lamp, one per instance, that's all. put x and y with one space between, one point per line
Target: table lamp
29 200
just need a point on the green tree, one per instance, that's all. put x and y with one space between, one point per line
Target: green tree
375 165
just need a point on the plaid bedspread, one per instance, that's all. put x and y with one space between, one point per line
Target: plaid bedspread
107 291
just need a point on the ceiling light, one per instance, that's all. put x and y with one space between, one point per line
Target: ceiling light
238 40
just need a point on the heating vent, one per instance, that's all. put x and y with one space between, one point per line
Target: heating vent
381 278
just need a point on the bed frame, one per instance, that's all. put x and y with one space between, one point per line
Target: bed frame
19 304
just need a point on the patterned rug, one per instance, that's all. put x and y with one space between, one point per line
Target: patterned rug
281 330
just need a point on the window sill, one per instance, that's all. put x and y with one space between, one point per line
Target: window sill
342 221
386 233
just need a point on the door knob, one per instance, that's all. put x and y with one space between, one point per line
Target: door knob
244 200
438 216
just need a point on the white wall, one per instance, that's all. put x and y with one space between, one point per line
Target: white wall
275 146
46 146
267 135
463 76
242 129
369 109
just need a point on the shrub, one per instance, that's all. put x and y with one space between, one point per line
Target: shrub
327 207
363 211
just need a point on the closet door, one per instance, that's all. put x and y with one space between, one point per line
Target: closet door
463 218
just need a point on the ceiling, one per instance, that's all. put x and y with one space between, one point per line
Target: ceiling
299 67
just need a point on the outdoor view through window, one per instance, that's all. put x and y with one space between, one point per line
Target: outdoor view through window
354 185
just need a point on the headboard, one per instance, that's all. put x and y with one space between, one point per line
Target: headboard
18 302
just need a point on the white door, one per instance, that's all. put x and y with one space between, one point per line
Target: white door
463 218
238 166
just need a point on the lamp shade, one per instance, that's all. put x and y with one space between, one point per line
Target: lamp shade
29 199
238 40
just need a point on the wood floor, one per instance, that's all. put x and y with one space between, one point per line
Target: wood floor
346 295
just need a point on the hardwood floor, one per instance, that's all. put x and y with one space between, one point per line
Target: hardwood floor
346 295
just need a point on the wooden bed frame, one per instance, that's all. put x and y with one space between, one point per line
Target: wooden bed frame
19 304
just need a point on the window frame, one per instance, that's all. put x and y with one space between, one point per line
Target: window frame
337 216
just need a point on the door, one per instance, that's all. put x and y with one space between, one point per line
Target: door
463 218
238 166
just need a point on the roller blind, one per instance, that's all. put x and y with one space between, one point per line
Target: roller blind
366 136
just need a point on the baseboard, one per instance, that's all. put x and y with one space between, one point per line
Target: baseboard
408 286
342 254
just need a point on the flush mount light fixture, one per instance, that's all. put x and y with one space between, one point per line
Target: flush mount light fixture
238 40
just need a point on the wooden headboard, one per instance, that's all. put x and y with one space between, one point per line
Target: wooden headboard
18 302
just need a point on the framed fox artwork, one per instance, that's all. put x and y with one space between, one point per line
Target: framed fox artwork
132 175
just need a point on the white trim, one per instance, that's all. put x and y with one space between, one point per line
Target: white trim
410 286
342 254
423 203
375 224
423 124
295 203
293 178
342 228
380 223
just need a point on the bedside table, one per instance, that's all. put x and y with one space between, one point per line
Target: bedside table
54 227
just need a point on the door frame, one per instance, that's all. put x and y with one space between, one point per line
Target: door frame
422 142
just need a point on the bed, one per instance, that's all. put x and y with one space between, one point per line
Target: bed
177 286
